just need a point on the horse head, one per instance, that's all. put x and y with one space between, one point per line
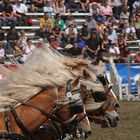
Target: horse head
101 103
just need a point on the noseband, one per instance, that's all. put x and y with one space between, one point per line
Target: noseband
27 135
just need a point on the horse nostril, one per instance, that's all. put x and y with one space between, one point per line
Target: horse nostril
89 132
117 118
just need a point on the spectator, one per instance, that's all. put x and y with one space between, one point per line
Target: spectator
129 31
12 37
53 42
48 8
44 33
70 21
93 44
60 21
2 53
91 22
39 4
17 51
57 32
112 35
27 50
46 21
61 8
121 42
116 5
84 5
124 53
137 26
72 6
20 11
137 56
105 11
101 27
106 42
8 15
94 9
85 32
124 16
22 38
71 33
30 5
136 5
114 50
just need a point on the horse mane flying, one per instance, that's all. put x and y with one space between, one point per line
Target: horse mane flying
44 68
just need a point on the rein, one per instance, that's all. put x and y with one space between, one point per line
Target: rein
27 135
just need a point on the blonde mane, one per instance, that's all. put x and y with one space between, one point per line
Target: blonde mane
44 68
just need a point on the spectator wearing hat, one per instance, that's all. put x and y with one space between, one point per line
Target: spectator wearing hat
20 10
46 21
94 9
71 33
8 15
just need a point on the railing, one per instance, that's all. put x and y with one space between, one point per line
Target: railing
115 79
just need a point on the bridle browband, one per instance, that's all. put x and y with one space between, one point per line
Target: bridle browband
27 135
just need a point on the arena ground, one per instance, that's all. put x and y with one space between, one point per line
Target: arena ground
128 128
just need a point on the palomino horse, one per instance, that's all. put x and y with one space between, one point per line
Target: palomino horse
52 62
30 99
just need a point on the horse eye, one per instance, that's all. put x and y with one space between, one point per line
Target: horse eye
116 105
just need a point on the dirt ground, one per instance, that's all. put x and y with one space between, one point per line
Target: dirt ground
128 127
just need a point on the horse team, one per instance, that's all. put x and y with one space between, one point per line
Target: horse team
54 97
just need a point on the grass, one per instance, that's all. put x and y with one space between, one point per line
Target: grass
128 127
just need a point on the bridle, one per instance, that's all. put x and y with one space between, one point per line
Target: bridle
27 135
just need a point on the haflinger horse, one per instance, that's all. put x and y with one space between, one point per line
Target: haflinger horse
53 62
29 100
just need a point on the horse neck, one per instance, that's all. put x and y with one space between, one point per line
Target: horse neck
32 118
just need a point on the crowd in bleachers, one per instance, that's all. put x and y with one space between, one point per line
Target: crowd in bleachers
108 26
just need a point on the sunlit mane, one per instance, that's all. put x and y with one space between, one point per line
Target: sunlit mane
45 67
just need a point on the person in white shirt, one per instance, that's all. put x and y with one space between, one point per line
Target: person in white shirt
114 49
136 5
20 10
112 35
27 50
2 53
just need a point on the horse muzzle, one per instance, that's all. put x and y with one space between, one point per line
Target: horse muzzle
112 119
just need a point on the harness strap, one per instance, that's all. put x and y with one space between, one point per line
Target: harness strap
50 116
7 121
25 131
13 136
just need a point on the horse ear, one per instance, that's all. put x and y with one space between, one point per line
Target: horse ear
86 74
75 82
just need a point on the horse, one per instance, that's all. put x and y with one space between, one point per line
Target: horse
75 67
30 99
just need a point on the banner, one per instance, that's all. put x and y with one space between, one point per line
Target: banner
124 74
